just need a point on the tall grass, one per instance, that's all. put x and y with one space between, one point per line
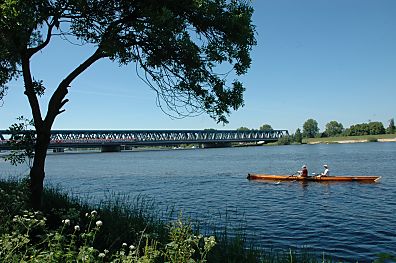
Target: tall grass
125 219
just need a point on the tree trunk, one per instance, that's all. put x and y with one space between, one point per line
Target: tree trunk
37 172
43 127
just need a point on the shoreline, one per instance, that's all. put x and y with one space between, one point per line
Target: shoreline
352 141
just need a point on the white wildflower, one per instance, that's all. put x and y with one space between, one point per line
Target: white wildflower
94 213
77 228
66 221
99 223
101 255
131 247
124 244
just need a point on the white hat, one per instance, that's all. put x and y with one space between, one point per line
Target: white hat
325 165
304 166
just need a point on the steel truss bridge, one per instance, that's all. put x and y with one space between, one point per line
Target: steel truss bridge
117 138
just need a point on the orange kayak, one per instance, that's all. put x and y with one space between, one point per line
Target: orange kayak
271 177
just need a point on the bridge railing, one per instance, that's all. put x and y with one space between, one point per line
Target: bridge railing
86 138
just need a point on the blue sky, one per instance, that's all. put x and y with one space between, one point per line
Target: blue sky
321 59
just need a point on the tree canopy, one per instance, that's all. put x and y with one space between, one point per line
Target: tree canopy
334 128
177 44
265 127
298 136
371 128
310 128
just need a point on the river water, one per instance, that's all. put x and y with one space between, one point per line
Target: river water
349 221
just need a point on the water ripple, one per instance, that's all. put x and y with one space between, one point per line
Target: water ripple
349 221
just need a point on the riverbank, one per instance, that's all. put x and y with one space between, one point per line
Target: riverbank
352 139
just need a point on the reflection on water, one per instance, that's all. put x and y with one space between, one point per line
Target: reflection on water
351 221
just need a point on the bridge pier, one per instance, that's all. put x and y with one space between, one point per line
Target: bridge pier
127 147
58 150
110 148
217 145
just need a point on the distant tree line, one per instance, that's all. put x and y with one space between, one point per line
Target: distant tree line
264 127
332 129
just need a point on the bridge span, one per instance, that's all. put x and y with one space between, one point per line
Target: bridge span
113 140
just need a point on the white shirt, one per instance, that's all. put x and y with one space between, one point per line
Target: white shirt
326 172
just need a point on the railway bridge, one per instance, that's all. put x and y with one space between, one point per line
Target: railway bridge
115 140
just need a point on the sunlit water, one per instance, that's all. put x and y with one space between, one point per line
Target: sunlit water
350 221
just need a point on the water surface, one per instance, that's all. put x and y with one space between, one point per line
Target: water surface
350 221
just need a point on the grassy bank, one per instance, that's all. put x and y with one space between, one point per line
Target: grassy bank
351 139
117 230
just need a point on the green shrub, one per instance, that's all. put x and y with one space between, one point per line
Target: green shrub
285 140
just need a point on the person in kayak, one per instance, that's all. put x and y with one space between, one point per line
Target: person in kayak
326 172
303 172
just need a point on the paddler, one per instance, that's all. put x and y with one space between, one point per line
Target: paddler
326 171
303 172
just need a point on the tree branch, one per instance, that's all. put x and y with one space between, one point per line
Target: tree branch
29 91
32 51
57 100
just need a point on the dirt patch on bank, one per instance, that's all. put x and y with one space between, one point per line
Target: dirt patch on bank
387 140
354 141
351 141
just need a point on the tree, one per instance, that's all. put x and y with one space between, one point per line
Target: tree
177 44
310 128
265 127
298 136
391 128
376 127
334 128
284 140
243 129
359 129
372 128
